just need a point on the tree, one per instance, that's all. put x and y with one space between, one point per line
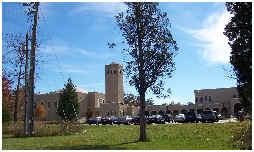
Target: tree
40 112
190 103
5 115
7 104
151 50
129 98
68 106
32 12
14 59
91 113
239 33
6 89
150 101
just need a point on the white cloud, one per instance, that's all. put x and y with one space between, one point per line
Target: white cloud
54 49
107 9
213 43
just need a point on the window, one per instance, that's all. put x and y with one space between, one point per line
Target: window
210 99
42 103
120 71
108 72
48 104
205 98
111 71
201 100
196 100
234 96
114 71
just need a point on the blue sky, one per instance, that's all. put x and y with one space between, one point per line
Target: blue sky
74 36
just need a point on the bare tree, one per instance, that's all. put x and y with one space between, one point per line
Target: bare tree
32 11
14 58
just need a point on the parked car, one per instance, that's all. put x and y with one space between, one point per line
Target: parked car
94 120
125 120
190 117
209 116
110 120
180 118
156 119
220 117
216 116
198 118
135 120
168 118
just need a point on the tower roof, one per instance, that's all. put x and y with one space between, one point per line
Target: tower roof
114 62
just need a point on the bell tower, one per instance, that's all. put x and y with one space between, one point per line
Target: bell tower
114 83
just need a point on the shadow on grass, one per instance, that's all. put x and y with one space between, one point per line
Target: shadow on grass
92 147
7 137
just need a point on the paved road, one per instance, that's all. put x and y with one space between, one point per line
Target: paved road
228 120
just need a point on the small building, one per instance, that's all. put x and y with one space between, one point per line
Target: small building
223 100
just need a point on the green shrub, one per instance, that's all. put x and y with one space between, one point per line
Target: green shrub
41 129
243 138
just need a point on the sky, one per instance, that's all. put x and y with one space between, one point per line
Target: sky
73 43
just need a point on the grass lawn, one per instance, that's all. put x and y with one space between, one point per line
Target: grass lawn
162 137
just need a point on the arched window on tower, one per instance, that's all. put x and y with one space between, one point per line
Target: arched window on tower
209 98
201 99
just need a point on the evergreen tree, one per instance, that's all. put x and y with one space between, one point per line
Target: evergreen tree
239 33
68 106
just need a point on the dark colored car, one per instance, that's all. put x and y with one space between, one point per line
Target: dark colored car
125 120
135 120
209 116
94 120
168 118
217 116
156 119
110 120
190 117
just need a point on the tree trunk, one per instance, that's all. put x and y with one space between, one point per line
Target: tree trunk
26 114
32 71
142 87
15 117
142 136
